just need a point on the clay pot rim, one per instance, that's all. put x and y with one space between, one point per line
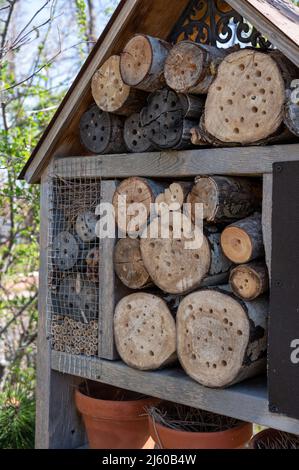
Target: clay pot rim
104 400
241 426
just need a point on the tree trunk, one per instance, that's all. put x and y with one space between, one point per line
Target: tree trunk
192 67
225 198
128 264
136 190
144 330
142 62
101 132
250 112
136 136
177 266
221 340
166 117
249 281
111 94
242 241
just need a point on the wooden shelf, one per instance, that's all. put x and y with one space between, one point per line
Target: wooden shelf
184 163
247 401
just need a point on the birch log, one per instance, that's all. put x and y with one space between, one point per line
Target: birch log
221 340
101 132
128 264
142 62
192 67
242 241
111 94
144 330
143 191
225 198
249 281
179 257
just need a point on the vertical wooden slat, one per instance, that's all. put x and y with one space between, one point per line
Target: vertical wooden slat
267 217
57 423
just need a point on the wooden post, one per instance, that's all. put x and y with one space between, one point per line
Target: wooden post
128 264
192 67
144 330
111 94
242 241
221 340
225 198
142 62
249 281
58 426
102 132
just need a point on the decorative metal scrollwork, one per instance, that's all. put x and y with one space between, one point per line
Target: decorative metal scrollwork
215 22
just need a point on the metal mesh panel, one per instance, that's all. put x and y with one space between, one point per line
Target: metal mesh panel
73 264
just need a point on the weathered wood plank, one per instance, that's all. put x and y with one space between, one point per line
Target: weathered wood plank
216 161
246 401
57 423
267 218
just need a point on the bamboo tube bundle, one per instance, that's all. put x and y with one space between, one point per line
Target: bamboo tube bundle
101 132
168 118
225 198
128 264
251 113
249 281
180 262
111 94
221 339
174 195
242 241
144 330
136 190
191 67
142 62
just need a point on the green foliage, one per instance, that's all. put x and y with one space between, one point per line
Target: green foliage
82 23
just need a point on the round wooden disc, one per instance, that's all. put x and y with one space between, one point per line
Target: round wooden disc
78 299
136 190
236 244
245 102
128 264
107 87
135 135
65 251
85 226
95 129
136 60
92 263
204 192
144 330
245 282
171 264
184 66
212 337
174 194
163 118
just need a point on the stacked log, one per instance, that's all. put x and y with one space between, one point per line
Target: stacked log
111 94
242 241
74 337
128 264
249 281
174 195
136 135
142 62
221 340
102 132
135 190
225 198
144 330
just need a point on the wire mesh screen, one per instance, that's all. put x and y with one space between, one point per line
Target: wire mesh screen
73 264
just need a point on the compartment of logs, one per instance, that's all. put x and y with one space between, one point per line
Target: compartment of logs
203 306
73 266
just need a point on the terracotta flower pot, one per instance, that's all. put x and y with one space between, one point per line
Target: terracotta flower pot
270 439
112 423
168 438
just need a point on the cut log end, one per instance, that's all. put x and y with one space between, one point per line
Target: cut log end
236 244
249 112
249 281
136 136
136 60
213 339
128 264
144 330
204 192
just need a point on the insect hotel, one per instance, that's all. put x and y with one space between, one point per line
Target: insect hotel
179 102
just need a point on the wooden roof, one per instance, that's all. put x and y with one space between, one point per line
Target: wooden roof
278 20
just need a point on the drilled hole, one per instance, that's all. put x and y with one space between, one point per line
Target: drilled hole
230 102
224 363
254 109
225 321
152 353
193 356
236 130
